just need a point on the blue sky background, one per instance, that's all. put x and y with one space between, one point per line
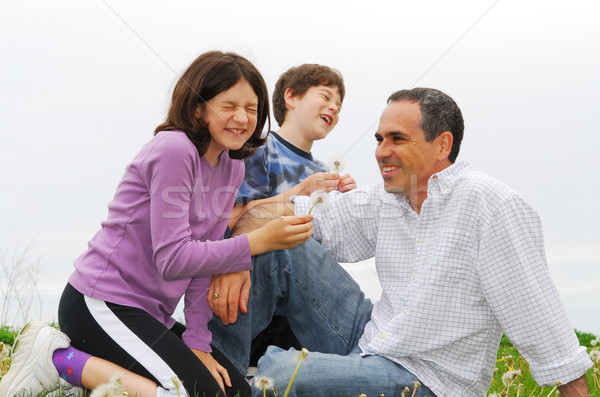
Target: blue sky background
83 85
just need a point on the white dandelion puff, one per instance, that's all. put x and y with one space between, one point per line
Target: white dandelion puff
114 388
336 164
264 383
595 355
319 199
594 342
509 376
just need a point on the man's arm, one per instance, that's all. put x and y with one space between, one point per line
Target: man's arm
576 388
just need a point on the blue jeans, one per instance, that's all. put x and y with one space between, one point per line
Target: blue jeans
325 307
334 375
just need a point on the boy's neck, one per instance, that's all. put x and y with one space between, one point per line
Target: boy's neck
297 139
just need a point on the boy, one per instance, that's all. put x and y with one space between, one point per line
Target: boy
306 103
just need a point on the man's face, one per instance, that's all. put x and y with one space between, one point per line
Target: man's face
406 161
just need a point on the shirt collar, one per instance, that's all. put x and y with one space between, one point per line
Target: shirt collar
441 182
444 181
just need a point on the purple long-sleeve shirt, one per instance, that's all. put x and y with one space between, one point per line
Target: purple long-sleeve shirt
163 237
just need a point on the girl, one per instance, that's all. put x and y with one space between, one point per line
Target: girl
163 239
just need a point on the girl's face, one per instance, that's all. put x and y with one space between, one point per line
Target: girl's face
231 117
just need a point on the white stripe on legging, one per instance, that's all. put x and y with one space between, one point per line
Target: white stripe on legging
136 347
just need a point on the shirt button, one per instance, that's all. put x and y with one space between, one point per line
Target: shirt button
404 309
414 276
421 240
382 336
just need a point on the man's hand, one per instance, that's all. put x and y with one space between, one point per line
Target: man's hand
232 291
346 183
217 370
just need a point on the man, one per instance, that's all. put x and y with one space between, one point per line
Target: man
460 259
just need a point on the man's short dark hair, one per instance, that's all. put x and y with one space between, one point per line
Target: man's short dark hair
439 113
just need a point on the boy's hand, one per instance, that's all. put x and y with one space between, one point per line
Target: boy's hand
326 181
233 292
346 183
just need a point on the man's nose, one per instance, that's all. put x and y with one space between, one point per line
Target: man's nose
382 150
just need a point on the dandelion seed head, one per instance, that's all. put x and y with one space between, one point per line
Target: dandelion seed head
114 388
263 382
319 199
594 342
336 164
595 355
509 375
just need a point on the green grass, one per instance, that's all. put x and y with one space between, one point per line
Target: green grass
508 358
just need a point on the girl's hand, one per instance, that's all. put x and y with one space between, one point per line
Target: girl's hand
346 184
233 292
217 370
281 233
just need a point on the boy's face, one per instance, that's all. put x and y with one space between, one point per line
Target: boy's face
317 111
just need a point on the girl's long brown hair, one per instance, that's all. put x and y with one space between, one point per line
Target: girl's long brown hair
210 74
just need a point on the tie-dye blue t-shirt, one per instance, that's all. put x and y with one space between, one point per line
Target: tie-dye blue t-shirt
274 168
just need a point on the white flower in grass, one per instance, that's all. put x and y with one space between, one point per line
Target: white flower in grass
263 382
319 199
594 342
595 355
510 375
336 164
114 388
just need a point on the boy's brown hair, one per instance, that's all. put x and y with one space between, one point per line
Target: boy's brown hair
300 79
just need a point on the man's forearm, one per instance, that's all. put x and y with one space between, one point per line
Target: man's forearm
260 215
576 388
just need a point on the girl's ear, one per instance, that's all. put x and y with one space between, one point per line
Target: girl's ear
199 112
289 98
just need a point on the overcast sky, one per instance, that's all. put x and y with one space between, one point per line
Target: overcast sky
83 84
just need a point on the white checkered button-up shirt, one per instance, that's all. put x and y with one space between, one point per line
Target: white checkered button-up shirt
470 266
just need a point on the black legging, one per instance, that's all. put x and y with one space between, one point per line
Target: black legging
128 332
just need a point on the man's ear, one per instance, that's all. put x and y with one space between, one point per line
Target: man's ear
445 140
289 98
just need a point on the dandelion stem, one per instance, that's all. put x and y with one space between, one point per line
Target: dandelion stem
534 389
302 355
551 391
